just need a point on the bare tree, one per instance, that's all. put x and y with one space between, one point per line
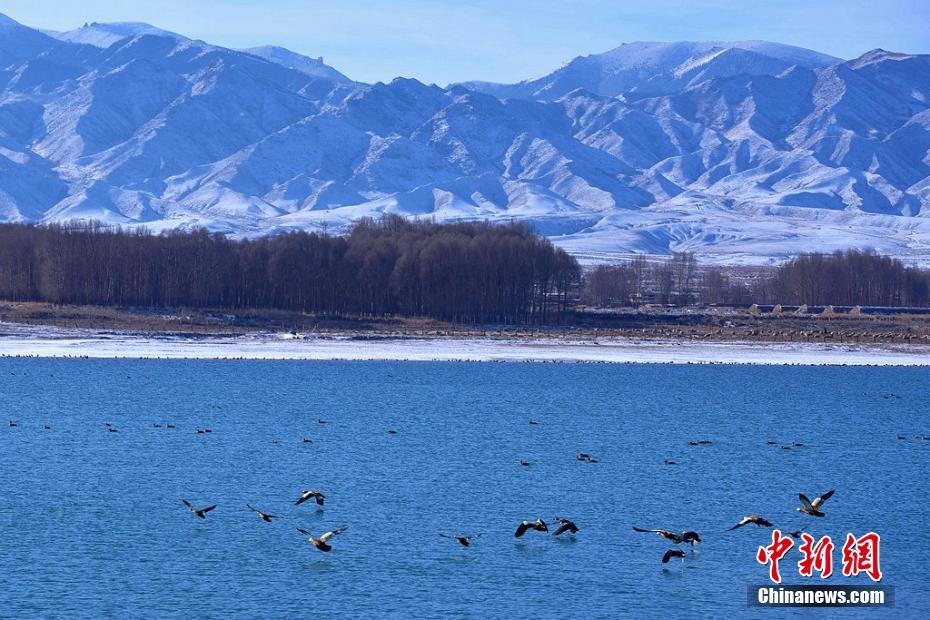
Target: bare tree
683 265
467 272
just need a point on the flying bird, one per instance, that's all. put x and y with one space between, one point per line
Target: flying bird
322 543
565 525
673 553
313 494
752 519
812 508
795 533
200 512
670 535
539 525
670 462
688 536
264 516
523 463
462 539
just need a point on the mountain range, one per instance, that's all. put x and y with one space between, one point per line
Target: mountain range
743 152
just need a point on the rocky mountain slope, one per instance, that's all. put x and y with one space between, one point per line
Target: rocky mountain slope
741 152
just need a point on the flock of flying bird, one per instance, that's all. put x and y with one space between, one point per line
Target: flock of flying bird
691 537
321 542
563 525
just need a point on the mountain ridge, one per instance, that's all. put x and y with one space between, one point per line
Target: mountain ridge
292 60
105 35
613 72
741 155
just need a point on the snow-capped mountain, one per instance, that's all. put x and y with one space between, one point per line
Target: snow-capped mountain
292 60
105 35
635 70
738 151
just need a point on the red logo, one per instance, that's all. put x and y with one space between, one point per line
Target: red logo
860 555
773 553
817 557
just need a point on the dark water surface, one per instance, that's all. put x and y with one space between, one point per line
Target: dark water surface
92 522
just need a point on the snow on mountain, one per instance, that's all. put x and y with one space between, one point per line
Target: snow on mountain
292 60
741 152
105 35
635 69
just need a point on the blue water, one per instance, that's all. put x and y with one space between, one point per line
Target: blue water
93 526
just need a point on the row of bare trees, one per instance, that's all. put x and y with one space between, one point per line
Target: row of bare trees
677 280
463 272
846 278
849 278
470 272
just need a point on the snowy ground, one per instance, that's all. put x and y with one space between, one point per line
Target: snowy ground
18 340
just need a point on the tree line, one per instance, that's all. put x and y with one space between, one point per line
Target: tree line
472 272
467 272
844 278
850 278
679 280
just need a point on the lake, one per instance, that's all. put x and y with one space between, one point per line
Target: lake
93 523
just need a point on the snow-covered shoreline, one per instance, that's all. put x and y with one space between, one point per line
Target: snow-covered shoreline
48 342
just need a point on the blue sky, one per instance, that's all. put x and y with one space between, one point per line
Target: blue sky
444 41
